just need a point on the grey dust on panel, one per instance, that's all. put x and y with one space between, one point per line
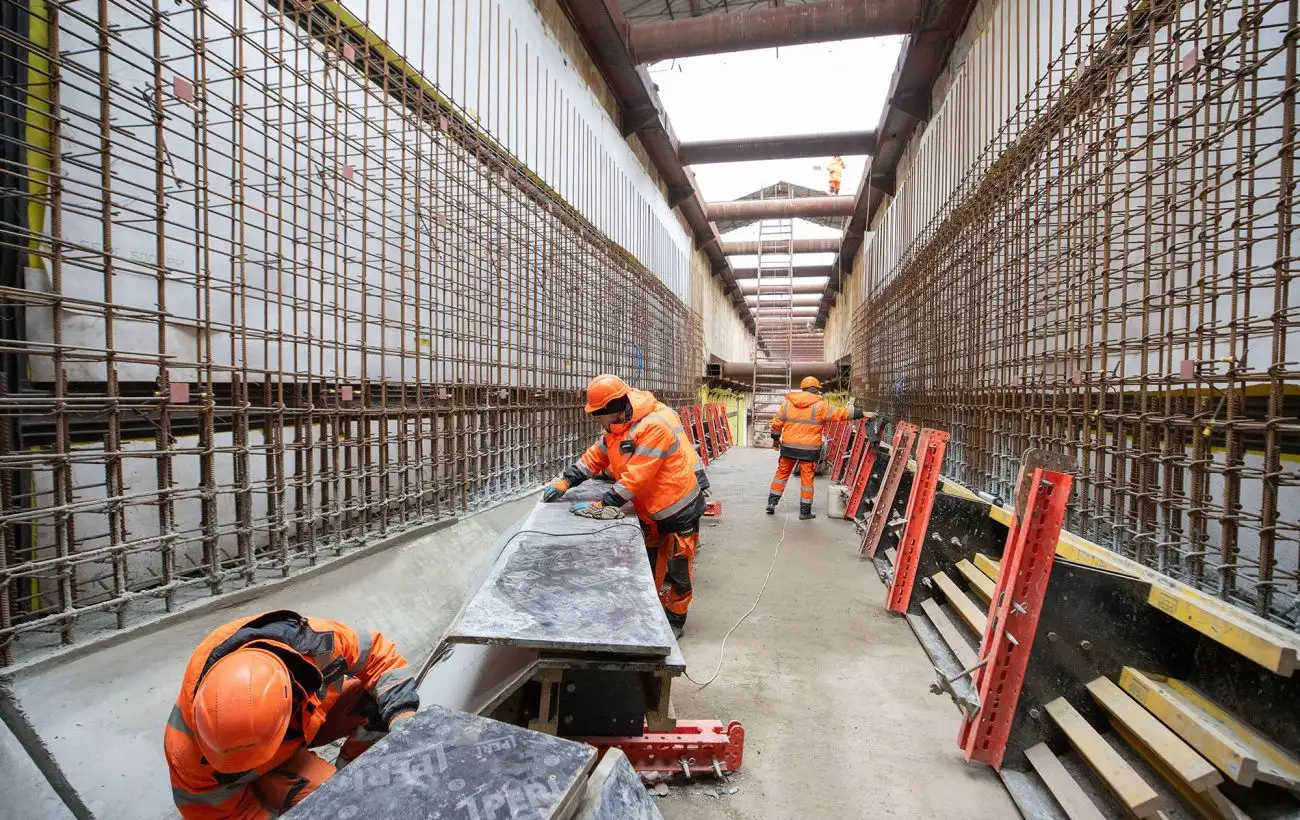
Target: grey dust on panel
444 763
614 792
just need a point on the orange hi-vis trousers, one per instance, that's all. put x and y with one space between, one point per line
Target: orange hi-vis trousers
672 558
807 471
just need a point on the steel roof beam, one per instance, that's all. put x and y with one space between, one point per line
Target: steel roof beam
770 27
794 147
789 208
739 248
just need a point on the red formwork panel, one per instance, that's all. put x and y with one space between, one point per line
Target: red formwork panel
715 430
861 474
855 453
699 434
901 448
726 426
1043 490
839 436
930 449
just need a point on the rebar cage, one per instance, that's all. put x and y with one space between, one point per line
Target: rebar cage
1093 253
268 296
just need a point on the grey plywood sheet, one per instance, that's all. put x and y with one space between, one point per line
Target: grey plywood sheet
614 792
443 763
476 678
570 584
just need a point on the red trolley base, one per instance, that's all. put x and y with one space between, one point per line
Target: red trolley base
713 509
695 746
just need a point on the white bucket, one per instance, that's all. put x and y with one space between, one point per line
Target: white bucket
837 501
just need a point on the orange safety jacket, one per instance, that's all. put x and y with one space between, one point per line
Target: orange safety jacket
836 169
319 653
798 425
652 462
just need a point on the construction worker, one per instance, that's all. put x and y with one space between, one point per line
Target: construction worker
836 171
797 433
259 692
654 467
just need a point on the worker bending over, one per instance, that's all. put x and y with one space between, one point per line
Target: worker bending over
258 692
653 464
797 432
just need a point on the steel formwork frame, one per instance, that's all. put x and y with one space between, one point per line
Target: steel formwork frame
268 295
1110 275
930 448
900 450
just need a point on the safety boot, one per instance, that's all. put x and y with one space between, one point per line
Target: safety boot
805 512
771 503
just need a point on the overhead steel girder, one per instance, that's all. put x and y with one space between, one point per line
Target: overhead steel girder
799 246
794 147
799 288
809 299
798 272
766 28
788 208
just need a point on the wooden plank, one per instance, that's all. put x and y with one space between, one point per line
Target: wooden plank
1227 809
1181 759
978 582
892 555
1133 792
987 565
1072 799
1198 800
1276 765
951 635
1226 752
966 609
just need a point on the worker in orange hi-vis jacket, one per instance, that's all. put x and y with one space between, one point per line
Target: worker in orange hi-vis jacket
797 433
836 171
259 692
653 464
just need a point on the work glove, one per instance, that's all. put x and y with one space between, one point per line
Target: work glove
596 510
776 442
400 716
859 413
554 490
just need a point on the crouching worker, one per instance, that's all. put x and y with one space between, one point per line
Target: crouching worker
259 692
642 448
797 432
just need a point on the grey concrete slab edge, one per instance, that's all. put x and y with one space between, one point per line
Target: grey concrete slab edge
90 718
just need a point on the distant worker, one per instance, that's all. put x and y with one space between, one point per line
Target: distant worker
797 432
836 171
645 450
258 692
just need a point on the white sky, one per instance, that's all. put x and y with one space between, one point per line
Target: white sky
777 92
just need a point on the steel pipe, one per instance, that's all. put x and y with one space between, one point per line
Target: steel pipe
810 298
765 28
799 272
799 288
799 246
794 147
780 208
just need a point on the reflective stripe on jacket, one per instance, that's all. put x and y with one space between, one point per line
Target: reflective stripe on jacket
799 424
652 462
319 653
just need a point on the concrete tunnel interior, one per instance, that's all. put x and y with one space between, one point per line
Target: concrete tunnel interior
956 409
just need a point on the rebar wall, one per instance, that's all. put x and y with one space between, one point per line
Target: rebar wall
268 296
1102 265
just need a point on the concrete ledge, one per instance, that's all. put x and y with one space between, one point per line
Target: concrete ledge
100 709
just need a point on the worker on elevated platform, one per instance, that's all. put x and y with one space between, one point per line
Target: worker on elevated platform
836 172
653 464
259 692
797 433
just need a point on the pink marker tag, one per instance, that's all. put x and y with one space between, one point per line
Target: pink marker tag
183 89
178 393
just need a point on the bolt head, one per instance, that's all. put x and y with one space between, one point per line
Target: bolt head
1035 714
1085 645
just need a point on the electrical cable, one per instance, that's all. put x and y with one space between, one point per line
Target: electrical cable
722 651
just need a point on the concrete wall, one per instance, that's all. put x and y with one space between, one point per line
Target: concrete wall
101 711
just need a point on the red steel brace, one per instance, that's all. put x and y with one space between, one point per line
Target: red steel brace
904 434
861 475
726 425
929 459
1043 490
698 742
855 452
715 432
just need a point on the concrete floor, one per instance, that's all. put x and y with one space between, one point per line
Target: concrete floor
832 689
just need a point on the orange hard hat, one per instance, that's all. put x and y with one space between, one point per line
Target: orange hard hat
809 381
242 709
604 389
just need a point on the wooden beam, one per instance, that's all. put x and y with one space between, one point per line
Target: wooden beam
950 634
978 582
1134 793
987 565
966 609
1062 785
1180 758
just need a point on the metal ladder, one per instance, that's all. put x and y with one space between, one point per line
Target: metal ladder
774 317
